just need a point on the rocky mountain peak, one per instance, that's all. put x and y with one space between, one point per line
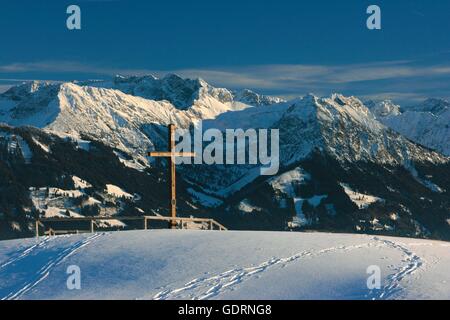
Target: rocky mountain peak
384 108
432 105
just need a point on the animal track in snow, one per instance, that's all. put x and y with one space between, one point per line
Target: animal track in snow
40 272
209 287
205 288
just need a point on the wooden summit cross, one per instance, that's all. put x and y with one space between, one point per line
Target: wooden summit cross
171 154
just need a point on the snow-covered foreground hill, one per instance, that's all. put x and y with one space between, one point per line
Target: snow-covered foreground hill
168 264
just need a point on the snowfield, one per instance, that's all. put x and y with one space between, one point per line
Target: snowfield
174 264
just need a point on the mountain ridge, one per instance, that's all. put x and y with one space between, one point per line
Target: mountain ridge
426 123
330 139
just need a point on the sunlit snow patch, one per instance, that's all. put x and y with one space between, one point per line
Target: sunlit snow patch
247 207
363 201
117 191
300 219
286 181
130 163
41 145
80 183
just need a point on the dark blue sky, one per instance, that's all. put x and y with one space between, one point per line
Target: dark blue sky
276 47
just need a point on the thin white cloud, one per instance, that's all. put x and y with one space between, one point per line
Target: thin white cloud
257 76
275 76
400 77
395 96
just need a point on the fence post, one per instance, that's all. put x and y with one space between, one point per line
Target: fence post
145 223
37 228
92 226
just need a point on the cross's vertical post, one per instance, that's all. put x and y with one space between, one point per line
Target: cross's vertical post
173 177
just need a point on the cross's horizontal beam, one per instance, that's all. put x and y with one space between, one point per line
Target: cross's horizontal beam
168 154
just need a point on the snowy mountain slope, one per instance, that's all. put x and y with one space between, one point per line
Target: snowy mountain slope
227 265
335 140
350 132
384 199
254 99
383 108
426 128
131 123
432 105
127 113
122 121
48 176
99 114
342 127
427 123
27 90
182 93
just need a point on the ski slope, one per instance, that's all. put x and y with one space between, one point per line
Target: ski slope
169 264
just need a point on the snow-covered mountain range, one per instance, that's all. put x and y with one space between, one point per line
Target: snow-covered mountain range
342 127
182 93
427 123
348 165
125 113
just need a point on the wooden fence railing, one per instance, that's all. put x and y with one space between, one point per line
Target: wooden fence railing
182 222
